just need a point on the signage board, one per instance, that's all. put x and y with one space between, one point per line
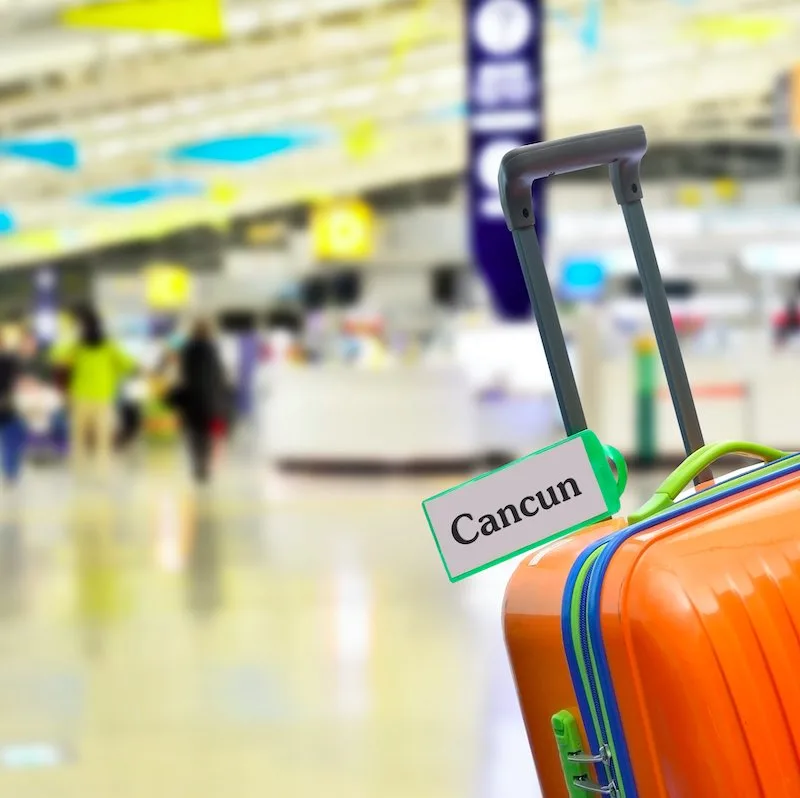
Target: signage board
343 231
504 111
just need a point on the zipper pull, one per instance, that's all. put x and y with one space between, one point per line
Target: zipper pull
574 762
586 785
603 758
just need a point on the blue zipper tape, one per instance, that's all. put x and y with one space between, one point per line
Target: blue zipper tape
569 649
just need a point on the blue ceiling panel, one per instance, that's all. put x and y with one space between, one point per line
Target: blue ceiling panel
244 149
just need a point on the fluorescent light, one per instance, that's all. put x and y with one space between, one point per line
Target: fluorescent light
110 122
336 5
25 756
317 79
126 44
190 105
243 20
338 37
109 149
285 12
213 126
772 258
504 120
359 95
152 114
409 84
250 119
265 89
447 76
12 169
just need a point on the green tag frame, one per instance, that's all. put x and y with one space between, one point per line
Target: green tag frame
611 487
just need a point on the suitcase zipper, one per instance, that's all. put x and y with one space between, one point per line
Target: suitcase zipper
605 759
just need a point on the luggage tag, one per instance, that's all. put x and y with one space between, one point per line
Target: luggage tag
526 503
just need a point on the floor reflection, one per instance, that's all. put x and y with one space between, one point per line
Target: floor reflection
203 566
13 565
271 635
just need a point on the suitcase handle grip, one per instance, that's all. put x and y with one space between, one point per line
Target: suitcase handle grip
679 479
622 148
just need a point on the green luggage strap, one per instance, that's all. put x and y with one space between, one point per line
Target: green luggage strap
682 476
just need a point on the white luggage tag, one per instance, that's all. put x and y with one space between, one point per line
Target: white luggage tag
526 503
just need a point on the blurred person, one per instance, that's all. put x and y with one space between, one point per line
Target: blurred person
96 368
34 357
200 396
39 402
12 428
133 396
789 327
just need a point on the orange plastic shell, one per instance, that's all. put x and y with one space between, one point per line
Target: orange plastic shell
701 627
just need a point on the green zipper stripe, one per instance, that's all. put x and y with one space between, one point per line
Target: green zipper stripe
611 744
575 624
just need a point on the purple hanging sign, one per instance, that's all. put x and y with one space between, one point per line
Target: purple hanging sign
505 111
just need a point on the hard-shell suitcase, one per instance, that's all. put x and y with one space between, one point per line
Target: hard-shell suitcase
659 655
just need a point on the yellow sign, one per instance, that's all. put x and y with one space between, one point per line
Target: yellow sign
742 27
361 139
343 231
167 286
690 196
223 192
43 241
202 19
727 190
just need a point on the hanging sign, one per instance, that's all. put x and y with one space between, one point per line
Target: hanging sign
524 504
505 111
203 19
168 286
343 230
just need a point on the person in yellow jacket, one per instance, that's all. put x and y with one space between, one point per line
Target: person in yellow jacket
96 367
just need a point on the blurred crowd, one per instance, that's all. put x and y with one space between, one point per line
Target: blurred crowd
84 397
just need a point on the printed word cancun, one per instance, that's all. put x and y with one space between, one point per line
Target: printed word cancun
466 530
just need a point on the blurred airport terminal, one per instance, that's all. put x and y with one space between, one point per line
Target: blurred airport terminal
257 301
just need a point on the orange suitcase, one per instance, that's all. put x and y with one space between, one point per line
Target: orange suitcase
658 656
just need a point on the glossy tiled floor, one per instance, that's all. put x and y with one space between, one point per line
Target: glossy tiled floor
272 637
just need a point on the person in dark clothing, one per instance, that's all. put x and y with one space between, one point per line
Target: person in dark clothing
790 326
200 396
12 428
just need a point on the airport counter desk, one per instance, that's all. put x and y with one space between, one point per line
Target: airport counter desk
416 418
331 416
420 418
743 395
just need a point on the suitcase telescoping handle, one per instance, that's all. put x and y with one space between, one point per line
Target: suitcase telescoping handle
622 151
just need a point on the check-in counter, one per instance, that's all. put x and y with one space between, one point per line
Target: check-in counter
743 395
723 395
776 389
397 416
